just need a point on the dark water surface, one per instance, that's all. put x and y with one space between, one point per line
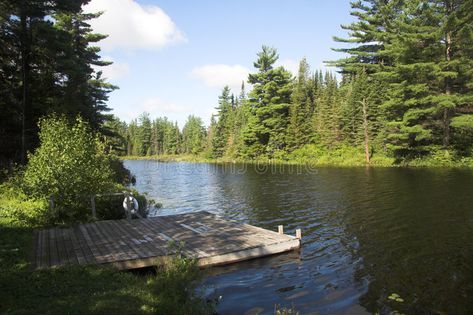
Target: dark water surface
367 233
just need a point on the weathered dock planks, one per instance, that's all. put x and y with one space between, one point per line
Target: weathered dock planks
130 244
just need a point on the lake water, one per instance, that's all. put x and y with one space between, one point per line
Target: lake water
367 233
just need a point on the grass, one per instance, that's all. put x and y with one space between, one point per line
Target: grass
314 155
95 290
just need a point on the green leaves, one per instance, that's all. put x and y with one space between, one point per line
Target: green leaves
396 297
69 166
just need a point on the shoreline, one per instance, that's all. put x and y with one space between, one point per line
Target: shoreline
383 162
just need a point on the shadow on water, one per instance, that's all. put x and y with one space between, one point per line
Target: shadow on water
367 233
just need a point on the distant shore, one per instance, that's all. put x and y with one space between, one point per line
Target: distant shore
323 161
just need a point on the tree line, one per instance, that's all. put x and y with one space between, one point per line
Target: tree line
405 90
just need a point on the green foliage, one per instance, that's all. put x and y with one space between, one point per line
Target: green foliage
48 64
396 297
224 124
342 155
175 284
302 108
405 96
268 103
419 52
90 290
193 135
20 208
70 165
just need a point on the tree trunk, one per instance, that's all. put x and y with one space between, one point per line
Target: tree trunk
365 126
448 81
25 84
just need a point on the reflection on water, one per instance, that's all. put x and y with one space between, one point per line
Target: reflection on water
367 233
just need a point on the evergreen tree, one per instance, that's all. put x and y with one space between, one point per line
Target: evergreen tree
193 135
46 67
368 36
269 101
224 123
210 137
144 135
428 81
301 108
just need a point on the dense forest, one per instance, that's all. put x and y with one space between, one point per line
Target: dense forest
48 64
404 90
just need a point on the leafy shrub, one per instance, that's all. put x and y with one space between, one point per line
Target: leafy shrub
17 206
175 286
120 174
69 165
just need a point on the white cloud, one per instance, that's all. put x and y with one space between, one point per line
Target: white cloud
158 107
114 71
133 26
290 65
219 75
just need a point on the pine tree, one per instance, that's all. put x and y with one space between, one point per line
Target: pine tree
144 134
269 101
224 123
193 135
84 91
47 68
368 36
240 122
428 81
301 108
210 137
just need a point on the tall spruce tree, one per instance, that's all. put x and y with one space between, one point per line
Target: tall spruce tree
301 109
224 123
46 65
193 135
268 102
429 80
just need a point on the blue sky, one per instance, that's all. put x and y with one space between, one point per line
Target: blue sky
172 58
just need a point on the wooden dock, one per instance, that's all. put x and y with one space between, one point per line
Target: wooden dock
129 244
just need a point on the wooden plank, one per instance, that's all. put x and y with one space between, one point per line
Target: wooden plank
67 257
228 237
216 220
229 228
107 250
73 259
170 234
44 249
203 240
141 243
116 241
53 252
62 248
84 246
146 238
128 234
140 263
182 236
208 244
91 245
164 238
79 252
251 253
108 247
38 249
